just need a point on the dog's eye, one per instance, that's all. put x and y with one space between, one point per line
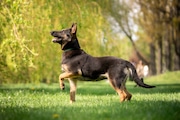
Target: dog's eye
68 35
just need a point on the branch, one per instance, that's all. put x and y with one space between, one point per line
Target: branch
133 44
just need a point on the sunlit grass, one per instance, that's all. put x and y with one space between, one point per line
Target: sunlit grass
94 101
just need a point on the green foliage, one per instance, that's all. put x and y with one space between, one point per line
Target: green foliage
95 101
26 51
15 55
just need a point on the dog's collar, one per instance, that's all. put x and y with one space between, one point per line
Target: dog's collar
66 50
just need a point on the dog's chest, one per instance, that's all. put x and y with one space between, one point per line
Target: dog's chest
70 69
64 68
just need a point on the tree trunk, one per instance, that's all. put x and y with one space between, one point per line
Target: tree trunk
159 56
167 49
176 42
152 59
176 35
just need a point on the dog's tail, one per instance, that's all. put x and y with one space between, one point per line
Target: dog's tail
134 76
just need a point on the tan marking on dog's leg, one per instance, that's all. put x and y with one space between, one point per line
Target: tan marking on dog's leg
61 83
120 91
121 94
61 79
73 84
129 96
125 95
66 75
123 87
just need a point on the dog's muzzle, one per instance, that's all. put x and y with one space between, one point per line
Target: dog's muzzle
56 38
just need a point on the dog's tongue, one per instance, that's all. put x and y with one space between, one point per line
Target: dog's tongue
54 39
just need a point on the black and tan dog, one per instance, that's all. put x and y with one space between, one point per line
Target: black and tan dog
78 65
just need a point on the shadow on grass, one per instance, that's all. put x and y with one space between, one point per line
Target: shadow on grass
95 89
146 110
37 90
47 89
105 89
160 88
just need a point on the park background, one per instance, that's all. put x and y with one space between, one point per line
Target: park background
133 30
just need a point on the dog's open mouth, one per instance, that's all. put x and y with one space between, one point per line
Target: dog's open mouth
57 39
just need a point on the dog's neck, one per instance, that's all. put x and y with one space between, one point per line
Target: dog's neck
73 45
66 50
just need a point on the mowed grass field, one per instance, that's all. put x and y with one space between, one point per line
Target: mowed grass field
94 101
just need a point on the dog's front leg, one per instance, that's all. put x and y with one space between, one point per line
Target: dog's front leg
61 79
73 84
61 82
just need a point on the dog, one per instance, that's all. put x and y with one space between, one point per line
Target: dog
78 65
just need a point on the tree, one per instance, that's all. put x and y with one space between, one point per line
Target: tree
27 53
122 13
157 19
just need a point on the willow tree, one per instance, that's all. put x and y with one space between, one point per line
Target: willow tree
27 53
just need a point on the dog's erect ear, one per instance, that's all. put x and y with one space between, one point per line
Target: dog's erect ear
74 28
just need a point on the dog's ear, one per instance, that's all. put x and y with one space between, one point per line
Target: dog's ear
74 28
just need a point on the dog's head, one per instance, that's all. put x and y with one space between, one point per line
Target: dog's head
64 36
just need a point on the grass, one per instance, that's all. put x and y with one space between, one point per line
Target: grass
95 101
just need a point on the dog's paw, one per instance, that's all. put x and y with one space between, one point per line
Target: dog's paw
62 86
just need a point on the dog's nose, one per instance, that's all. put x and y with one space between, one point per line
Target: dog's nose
52 32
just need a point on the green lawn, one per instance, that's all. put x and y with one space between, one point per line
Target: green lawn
95 101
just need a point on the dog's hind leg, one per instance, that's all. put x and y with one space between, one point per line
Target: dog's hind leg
128 95
122 94
127 72
120 90
123 88
118 83
73 84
